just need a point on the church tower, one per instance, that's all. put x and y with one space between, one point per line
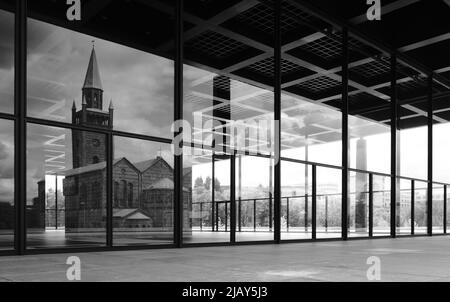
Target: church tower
90 147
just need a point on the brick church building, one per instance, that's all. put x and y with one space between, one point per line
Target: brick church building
142 191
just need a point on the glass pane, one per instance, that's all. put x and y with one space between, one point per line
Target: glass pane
369 108
329 203
7 214
310 127
7 56
420 207
66 187
296 204
208 220
438 209
412 136
228 104
143 192
381 205
254 198
404 207
109 85
359 205
441 128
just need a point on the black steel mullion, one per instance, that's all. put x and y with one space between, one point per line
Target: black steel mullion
109 190
394 127
178 116
345 138
20 133
213 195
370 205
277 120
314 203
233 198
413 201
445 209
430 156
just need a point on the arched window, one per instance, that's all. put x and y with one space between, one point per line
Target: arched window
95 160
116 194
124 193
130 195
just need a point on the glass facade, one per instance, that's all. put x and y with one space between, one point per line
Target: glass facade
208 123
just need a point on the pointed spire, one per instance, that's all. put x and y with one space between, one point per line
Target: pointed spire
92 79
111 106
73 105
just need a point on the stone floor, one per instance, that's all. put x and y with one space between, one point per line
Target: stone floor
405 259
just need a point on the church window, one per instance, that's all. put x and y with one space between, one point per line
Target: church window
116 194
130 195
124 192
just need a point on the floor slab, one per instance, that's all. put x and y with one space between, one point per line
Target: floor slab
402 259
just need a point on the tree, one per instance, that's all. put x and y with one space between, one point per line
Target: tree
198 182
217 186
207 183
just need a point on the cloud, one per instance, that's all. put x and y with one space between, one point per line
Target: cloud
7 41
140 84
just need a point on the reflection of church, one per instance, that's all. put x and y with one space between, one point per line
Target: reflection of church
142 192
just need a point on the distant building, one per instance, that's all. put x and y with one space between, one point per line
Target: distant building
143 196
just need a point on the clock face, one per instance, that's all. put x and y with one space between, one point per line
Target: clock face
96 142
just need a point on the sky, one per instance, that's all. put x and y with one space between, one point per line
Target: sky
141 87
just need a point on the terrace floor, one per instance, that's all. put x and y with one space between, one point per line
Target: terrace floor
402 259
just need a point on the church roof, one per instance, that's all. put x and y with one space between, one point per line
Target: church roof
92 79
130 214
144 165
163 184
89 168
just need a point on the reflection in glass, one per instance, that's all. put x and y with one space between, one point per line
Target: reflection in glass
7 213
208 219
6 61
66 187
359 205
420 207
143 192
116 80
254 198
381 205
403 211
296 202
438 209
329 203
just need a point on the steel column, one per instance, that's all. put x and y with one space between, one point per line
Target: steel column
430 156
20 132
345 137
178 116
277 117
394 129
